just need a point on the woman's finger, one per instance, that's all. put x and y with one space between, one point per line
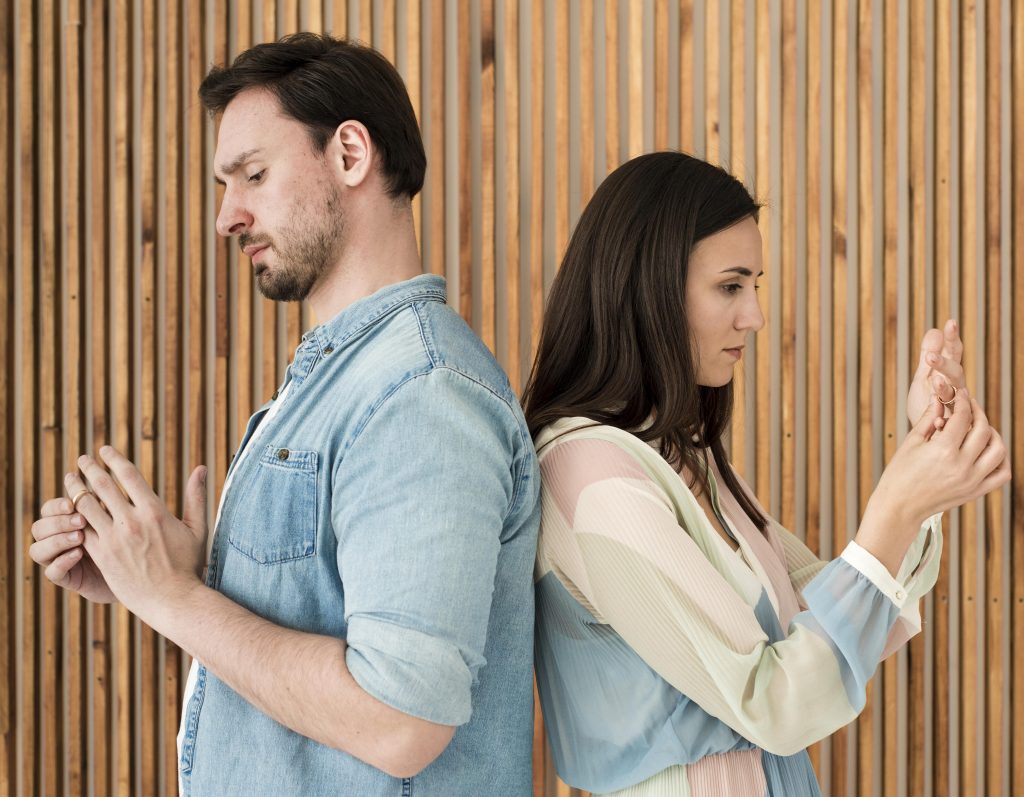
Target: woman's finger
949 368
979 436
996 479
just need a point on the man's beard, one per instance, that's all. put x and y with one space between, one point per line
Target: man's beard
305 251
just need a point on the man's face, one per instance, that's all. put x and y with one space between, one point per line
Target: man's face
279 198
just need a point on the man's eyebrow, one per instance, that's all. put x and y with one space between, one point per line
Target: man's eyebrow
234 165
742 271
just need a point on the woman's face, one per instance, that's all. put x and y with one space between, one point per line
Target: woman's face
721 299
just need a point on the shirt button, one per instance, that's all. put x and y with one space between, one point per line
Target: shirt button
328 350
274 397
283 453
900 594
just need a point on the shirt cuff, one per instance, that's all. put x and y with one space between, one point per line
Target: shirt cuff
875 572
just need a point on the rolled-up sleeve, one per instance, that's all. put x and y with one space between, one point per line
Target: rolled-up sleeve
419 502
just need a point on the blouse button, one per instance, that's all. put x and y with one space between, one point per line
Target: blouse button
900 594
283 454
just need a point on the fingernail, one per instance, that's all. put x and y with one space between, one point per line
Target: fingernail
934 359
76 520
76 536
105 450
75 553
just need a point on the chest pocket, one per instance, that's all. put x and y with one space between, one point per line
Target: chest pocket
276 515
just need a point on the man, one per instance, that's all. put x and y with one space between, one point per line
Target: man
366 619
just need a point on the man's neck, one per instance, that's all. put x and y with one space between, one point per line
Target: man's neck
381 255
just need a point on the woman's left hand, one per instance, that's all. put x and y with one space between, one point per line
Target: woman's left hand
939 370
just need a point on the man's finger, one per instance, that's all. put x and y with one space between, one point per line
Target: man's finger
959 423
59 568
56 524
135 486
56 506
931 343
103 485
89 505
47 550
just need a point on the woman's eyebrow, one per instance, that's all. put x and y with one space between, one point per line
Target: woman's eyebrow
742 271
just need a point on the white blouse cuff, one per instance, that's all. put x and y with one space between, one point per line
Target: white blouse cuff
875 572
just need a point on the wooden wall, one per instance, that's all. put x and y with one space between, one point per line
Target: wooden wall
885 137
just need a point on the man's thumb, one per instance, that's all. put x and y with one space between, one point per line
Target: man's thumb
195 502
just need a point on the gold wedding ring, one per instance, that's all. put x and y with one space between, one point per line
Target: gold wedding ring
78 495
950 402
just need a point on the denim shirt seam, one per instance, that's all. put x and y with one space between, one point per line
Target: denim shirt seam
517 478
371 320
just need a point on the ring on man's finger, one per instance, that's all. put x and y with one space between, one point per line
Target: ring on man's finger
951 398
78 496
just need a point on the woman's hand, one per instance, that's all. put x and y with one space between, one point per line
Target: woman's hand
931 472
939 370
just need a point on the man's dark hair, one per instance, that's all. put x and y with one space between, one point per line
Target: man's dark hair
322 81
616 345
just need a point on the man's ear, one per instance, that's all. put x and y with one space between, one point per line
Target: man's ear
352 152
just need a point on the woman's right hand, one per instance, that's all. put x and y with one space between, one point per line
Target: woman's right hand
932 471
58 549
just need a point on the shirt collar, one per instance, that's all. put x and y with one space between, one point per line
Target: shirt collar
358 316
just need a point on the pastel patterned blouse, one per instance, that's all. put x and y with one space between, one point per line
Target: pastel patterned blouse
669 663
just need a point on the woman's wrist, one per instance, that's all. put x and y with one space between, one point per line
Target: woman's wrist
887 531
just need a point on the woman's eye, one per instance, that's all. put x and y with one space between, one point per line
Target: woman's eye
732 288
255 178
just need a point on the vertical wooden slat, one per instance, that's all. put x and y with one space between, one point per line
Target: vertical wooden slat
561 165
510 64
971 221
611 60
146 426
1016 441
587 121
537 210
814 188
272 370
686 78
866 198
127 750
840 276
100 645
10 515
635 89
47 699
487 167
465 184
787 284
75 731
661 40
27 711
415 89
766 130
435 145
712 99
918 730
174 347
943 243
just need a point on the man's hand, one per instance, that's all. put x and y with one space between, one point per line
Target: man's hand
58 536
148 557
939 370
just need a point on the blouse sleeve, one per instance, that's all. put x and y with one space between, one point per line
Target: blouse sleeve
620 545
917 574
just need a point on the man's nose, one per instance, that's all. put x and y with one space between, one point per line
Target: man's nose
232 219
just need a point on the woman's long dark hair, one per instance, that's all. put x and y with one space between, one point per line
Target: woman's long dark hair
616 346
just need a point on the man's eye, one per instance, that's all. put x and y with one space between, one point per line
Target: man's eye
255 178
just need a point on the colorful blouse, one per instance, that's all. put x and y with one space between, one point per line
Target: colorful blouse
670 664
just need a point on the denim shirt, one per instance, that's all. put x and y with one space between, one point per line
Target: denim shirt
392 501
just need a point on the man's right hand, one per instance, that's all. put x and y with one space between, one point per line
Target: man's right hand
58 535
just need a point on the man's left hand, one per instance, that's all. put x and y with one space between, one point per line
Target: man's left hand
148 557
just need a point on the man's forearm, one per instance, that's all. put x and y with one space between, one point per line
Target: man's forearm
299 679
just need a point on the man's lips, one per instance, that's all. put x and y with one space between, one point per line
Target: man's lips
254 249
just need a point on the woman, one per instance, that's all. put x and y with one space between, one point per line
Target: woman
686 643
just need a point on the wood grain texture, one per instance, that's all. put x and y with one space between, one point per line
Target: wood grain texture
125 319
